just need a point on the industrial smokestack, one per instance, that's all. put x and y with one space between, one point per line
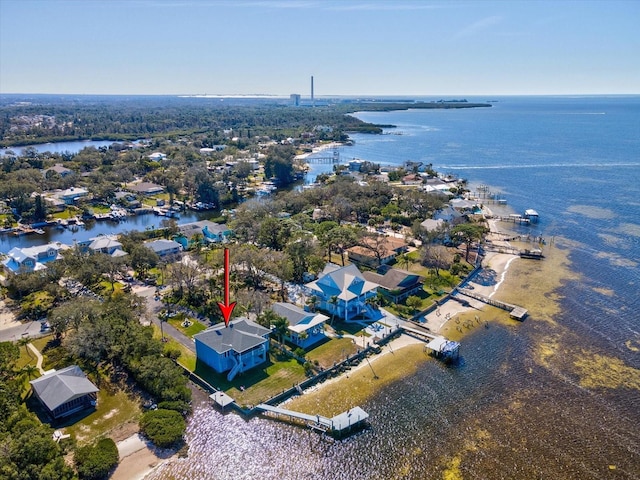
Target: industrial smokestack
312 101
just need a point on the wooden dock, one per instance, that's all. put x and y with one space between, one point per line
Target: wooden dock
519 313
338 425
439 345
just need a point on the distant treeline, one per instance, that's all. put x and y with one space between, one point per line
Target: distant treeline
42 119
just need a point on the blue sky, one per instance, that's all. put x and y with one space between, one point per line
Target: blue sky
352 47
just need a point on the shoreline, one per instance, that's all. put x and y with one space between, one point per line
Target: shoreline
138 458
318 149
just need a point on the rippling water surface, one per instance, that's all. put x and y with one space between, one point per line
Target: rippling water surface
556 396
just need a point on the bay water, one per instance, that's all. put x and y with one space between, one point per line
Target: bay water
556 396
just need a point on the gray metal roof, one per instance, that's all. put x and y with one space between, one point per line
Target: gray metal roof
62 386
299 320
241 335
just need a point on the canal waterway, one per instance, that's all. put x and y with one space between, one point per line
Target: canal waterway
556 396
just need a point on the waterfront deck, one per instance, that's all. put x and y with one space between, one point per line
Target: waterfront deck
516 312
338 425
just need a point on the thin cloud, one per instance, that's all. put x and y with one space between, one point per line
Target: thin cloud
479 26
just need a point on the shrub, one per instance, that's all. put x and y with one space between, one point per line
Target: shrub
176 405
96 461
163 427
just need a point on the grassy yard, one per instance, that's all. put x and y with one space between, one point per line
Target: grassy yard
68 213
187 358
113 410
100 209
115 407
331 351
258 384
195 327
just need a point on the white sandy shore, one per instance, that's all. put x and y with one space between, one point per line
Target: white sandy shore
319 148
137 459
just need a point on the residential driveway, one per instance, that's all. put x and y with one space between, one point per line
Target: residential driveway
154 306
12 334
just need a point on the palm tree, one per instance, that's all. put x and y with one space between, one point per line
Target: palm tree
29 371
23 342
333 301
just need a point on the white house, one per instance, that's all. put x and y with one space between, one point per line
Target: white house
31 259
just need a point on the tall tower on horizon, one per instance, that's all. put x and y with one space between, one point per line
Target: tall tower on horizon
312 100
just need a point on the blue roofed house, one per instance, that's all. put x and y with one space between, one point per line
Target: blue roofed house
65 391
211 232
305 328
32 259
233 349
343 291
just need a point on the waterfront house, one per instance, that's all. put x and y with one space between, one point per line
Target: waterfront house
71 195
376 251
65 391
343 292
395 284
233 349
107 244
146 188
305 328
448 214
464 206
162 247
32 259
211 232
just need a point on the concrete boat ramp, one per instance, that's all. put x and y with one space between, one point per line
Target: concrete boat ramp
338 425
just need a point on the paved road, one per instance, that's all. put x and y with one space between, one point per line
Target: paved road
12 334
154 306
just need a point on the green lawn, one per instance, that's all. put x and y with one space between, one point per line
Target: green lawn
113 409
67 213
196 326
187 358
260 383
100 209
332 351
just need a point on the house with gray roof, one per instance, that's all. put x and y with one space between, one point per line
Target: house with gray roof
234 349
146 188
65 391
107 244
163 247
395 284
305 328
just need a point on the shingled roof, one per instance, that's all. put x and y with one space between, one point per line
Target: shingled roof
241 335
57 388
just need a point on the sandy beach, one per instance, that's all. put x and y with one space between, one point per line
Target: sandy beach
138 458
318 149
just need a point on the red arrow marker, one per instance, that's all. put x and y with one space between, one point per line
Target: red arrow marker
226 308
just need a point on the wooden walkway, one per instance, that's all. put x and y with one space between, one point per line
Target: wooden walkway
515 311
337 425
